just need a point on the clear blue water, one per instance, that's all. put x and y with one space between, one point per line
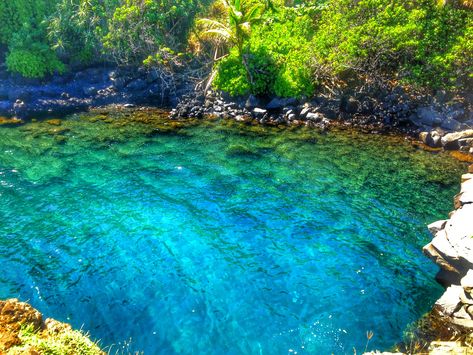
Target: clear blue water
219 238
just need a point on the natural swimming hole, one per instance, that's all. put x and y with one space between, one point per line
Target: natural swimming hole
219 238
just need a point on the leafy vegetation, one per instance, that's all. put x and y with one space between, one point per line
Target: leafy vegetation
284 48
298 48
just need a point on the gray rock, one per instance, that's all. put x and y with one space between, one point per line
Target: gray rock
435 139
432 139
457 113
314 117
349 105
137 85
466 198
451 140
423 136
462 313
467 281
451 124
252 102
457 241
259 112
466 142
467 186
89 91
304 112
280 103
450 300
427 116
436 226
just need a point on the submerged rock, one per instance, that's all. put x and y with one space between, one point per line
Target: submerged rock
10 121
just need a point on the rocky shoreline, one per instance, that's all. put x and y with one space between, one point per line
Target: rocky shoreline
23 331
448 327
91 87
378 109
452 250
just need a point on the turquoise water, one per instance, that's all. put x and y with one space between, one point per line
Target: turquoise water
219 238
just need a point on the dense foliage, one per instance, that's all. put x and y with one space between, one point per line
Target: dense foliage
413 40
284 48
298 48
23 32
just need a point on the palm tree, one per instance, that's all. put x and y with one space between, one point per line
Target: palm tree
235 31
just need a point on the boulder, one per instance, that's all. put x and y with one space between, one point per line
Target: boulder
423 137
137 85
467 281
451 140
252 102
450 301
259 112
457 112
427 116
447 348
279 103
466 177
432 138
349 105
314 117
305 110
451 125
466 142
458 234
437 226
466 198
452 247
467 186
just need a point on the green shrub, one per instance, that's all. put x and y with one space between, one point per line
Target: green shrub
33 64
139 28
18 14
77 27
278 55
23 30
416 40
231 76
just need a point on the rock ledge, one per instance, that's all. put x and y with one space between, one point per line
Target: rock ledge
23 331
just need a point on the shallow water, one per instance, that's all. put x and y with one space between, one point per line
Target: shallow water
219 238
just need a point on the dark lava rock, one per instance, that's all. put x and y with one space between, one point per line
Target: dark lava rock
427 116
252 102
137 85
349 105
280 103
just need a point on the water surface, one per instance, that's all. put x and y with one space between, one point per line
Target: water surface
219 238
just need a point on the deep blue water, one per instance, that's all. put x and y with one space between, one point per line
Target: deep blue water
218 238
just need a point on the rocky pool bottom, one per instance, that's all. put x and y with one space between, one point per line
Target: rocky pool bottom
220 237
